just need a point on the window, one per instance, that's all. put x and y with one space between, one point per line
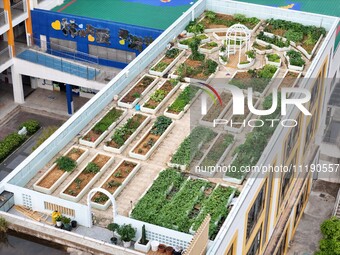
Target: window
255 246
231 250
256 210
291 141
300 205
314 93
309 132
286 180
63 45
112 54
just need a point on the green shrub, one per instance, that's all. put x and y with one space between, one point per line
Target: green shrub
9 144
330 244
32 126
65 163
295 36
92 168
273 58
251 54
295 58
161 124
183 99
172 53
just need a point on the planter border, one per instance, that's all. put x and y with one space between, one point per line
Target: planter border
304 52
293 67
225 109
223 156
232 179
208 51
186 47
277 64
263 43
222 29
248 65
165 99
297 78
132 104
95 178
153 148
161 74
131 138
180 114
120 188
62 178
240 129
105 133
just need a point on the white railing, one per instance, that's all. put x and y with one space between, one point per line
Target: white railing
19 8
3 18
5 55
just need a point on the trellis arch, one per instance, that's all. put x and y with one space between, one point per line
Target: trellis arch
113 201
238 33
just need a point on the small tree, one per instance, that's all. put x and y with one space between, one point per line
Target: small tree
113 227
330 244
127 232
143 239
194 44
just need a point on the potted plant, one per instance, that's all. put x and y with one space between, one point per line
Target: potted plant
66 223
74 223
114 228
161 248
58 220
142 244
127 233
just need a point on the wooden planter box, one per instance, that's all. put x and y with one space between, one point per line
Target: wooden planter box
132 154
160 104
161 74
120 188
131 138
62 178
94 179
95 143
132 104
186 47
180 114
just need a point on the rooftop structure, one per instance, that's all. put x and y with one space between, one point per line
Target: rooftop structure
139 139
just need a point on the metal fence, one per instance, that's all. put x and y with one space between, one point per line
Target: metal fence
5 55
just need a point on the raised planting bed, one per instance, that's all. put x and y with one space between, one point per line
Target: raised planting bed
217 206
164 186
167 62
209 47
115 183
238 120
88 176
258 79
277 43
190 146
160 96
216 110
216 22
125 134
220 35
59 171
273 59
290 79
295 60
152 138
250 60
102 127
260 49
184 43
182 103
248 154
138 90
196 70
215 154
305 38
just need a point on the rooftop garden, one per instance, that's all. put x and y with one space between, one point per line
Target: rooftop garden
178 203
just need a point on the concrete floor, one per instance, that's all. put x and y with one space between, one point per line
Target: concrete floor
319 208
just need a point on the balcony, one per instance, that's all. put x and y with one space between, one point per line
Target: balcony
5 56
19 12
4 26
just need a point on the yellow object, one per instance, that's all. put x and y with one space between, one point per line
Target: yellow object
290 6
56 25
90 38
122 42
54 215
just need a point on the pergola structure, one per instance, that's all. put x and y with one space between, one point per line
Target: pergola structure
237 33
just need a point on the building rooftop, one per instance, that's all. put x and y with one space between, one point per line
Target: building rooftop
157 14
